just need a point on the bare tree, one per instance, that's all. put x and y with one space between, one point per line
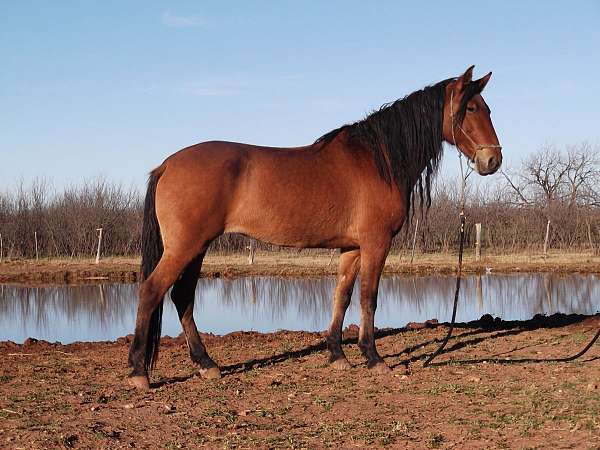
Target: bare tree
549 176
583 175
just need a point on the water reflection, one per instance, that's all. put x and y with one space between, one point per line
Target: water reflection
105 312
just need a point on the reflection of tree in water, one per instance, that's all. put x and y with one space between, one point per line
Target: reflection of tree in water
45 308
540 293
305 302
310 300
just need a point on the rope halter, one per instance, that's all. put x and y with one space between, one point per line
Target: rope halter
454 124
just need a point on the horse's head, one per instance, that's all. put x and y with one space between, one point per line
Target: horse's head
467 123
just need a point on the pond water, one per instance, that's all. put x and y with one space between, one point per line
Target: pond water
107 311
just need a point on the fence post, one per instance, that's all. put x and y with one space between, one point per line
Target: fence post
546 240
99 230
589 230
36 246
251 254
477 241
414 242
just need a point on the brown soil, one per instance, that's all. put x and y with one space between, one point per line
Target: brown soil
278 392
287 263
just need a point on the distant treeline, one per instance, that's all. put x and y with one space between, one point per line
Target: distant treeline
514 208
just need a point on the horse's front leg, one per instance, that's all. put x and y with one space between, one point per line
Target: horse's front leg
347 272
372 261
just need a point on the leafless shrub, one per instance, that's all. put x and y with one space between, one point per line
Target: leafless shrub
560 186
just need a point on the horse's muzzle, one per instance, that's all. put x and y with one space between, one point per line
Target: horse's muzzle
488 161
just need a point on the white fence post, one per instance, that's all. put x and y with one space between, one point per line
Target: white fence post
251 254
477 241
99 230
546 240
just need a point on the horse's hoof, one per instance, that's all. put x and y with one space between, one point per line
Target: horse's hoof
340 364
212 373
139 382
380 368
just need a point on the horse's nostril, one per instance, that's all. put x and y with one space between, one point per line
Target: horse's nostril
491 162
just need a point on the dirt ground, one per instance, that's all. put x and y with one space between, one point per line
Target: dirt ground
278 392
289 263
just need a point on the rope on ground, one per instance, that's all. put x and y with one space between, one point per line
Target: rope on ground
457 290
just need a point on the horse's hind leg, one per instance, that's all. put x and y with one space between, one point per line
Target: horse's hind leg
151 294
349 266
183 294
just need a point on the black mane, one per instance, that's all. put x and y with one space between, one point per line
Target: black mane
405 138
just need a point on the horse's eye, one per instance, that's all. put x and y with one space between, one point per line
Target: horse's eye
471 109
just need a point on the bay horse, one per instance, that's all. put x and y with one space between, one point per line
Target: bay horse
352 189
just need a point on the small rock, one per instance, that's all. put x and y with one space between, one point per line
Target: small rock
94 408
474 379
129 406
431 323
593 386
169 408
70 440
486 319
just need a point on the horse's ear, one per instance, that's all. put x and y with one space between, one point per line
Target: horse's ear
464 79
483 81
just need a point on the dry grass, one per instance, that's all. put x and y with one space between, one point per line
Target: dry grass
293 264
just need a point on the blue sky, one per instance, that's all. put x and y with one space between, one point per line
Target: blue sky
111 88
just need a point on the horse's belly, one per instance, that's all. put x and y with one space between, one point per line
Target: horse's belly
292 231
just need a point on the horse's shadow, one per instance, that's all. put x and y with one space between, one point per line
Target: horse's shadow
478 331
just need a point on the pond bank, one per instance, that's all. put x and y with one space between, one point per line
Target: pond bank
288 264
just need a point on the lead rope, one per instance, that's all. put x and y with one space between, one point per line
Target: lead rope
461 237
460 256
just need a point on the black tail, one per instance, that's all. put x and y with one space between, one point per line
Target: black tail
152 250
